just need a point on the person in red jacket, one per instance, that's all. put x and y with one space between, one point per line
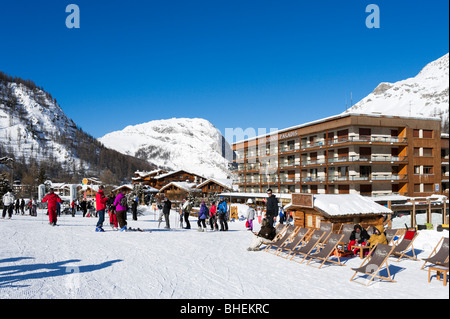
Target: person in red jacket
100 201
52 200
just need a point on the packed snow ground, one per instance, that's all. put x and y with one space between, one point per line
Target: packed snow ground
73 261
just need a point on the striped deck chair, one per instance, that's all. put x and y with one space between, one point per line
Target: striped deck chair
440 257
311 245
373 263
297 240
324 254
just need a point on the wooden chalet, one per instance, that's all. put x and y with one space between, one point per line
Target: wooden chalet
177 191
147 178
214 185
309 210
177 176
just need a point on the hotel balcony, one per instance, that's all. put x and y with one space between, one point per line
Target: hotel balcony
356 139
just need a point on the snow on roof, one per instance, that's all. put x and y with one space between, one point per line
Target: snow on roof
255 195
227 183
189 187
346 204
174 172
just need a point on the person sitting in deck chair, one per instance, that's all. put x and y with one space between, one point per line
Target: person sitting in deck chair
359 236
378 236
265 236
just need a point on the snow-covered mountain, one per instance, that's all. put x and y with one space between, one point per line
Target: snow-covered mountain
33 125
194 145
425 95
34 129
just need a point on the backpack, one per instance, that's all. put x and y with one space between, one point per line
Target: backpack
123 202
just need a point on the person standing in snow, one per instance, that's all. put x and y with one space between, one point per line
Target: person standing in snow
187 207
8 204
120 204
213 217
166 211
100 202
202 215
112 212
271 206
52 199
134 208
222 208
250 214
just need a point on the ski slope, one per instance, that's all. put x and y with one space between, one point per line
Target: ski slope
72 261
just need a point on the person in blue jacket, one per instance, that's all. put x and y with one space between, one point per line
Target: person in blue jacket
222 209
202 215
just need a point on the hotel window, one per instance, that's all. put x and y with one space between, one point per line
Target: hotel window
416 133
428 188
427 134
428 170
417 169
427 151
416 151
417 188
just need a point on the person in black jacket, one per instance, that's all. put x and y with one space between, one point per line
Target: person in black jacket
359 236
265 235
166 211
271 207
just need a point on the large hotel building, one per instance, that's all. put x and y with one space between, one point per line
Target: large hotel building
351 153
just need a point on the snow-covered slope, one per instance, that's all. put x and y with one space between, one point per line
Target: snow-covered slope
33 125
194 145
423 95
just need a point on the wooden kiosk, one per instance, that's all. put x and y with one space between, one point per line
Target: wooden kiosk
309 210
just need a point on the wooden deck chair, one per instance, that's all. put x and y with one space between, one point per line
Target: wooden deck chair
373 263
440 257
390 235
283 239
297 240
346 230
324 254
405 245
311 245
279 230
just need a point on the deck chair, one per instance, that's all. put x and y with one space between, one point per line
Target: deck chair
346 230
297 240
279 230
306 249
440 257
284 239
332 241
373 263
391 233
405 245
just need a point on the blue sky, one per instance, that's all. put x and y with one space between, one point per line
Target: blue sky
260 64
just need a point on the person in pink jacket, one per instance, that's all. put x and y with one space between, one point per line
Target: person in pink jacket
213 217
121 210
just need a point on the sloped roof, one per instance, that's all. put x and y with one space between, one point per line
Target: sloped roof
345 204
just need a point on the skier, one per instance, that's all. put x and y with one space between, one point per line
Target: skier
222 207
100 202
120 204
202 215
112 213
166 211
213 217
8 204
187 210
53 200
22 206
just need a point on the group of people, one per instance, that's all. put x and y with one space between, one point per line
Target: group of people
217 214
11 205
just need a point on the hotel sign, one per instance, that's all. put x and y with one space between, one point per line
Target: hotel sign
288 135
303 200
